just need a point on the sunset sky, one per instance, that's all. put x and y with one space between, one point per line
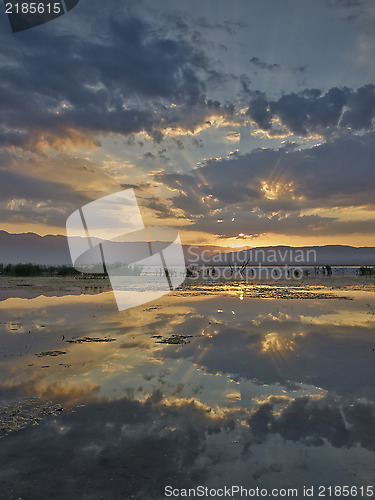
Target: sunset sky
249 122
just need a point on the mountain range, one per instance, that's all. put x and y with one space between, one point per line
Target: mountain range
53 250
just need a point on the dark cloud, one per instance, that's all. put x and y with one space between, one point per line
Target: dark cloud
300 69
263 65
312 111
26 199
123 449
122 82
141 186
313 420
161 209
361 109
267 189
260 111
19 186
133 449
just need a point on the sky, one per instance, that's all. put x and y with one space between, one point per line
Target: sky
239 123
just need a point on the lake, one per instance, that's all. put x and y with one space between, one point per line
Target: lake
261 385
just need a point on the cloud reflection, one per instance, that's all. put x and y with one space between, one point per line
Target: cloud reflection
259 374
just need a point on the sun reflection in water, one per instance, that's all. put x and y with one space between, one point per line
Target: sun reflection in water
275 342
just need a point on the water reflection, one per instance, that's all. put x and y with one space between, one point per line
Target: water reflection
212 388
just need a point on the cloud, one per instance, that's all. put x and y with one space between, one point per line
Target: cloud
126 449
312 111
268 190
361 109
64 86
16 185
262 65
278 349
129 448
230 26
313 420
62 391
160 209
26 199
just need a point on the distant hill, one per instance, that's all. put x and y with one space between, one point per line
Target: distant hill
30 247
53 250
334 255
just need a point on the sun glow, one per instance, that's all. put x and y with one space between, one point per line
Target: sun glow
276 342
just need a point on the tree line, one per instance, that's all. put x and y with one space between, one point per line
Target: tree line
36 270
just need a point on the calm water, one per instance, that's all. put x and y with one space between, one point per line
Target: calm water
216 384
